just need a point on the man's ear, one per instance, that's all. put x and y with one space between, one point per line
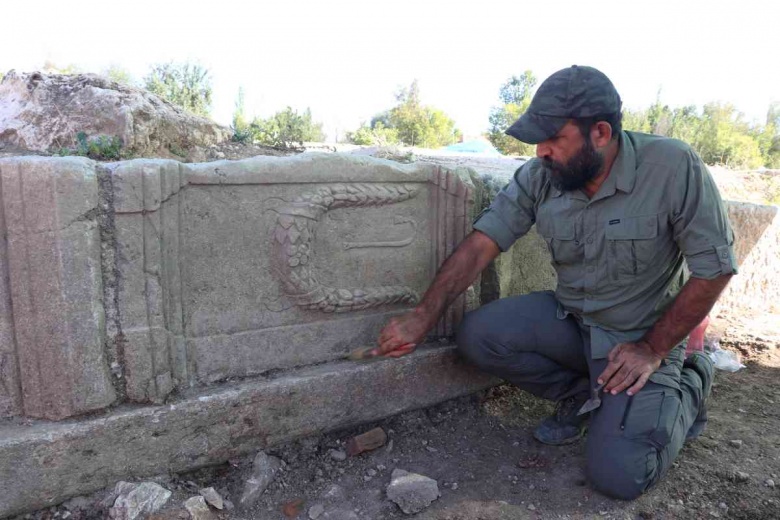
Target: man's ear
601 134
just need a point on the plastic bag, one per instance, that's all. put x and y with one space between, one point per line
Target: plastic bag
726 360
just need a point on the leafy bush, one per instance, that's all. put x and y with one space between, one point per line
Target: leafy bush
101 148
410 123
186 85
285 129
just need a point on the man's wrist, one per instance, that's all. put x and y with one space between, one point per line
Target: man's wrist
659 351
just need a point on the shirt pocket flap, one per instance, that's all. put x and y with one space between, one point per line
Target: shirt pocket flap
563 230
632 228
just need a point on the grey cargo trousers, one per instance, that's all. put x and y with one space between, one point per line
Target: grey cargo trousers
632 441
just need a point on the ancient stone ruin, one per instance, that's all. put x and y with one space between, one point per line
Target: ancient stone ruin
158 316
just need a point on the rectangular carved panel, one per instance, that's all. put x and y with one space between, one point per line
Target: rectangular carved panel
54 273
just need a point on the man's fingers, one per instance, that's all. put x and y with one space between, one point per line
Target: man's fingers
639 384
629 379
608 372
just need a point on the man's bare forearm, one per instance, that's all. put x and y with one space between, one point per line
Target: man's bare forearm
688 310
458 272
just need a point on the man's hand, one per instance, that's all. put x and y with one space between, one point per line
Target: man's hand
402 334
630 365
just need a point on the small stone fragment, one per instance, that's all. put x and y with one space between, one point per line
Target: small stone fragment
769 483
412 492
315 511
198 509
338 455
212 497
741 476
736 443
264 471
531 507
134 500
367 441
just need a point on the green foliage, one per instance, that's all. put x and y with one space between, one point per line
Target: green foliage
286 129
718 132
186 85
101 148
49 67
241 131
118 74
515 95
409 123
376 135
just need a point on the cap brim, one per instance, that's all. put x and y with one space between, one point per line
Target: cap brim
533 129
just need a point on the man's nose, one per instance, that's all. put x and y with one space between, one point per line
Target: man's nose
542 150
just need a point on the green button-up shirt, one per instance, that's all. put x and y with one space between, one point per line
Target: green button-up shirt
620 256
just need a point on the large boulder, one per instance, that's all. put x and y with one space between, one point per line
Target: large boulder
45 112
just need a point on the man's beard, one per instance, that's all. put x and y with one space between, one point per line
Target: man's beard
578 170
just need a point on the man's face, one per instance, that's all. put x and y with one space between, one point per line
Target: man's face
570 158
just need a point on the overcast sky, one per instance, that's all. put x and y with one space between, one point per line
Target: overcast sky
346 58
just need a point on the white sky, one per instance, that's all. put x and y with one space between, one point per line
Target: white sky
346 58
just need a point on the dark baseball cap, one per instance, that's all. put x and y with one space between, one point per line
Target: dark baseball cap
576 92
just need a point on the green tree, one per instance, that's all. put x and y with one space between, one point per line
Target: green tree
241 130
187 85
286 129
515 96
410 123
120 75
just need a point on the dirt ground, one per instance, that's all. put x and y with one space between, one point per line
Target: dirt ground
488 467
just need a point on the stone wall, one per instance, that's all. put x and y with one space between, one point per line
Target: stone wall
197 311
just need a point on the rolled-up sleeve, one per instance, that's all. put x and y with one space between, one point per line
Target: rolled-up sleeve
700 222
512 212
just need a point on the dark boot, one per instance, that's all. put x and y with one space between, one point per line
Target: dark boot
702 365
564 426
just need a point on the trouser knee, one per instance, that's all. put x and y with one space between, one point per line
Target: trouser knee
620 474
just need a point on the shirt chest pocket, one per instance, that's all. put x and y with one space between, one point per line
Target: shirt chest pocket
631 246
562 241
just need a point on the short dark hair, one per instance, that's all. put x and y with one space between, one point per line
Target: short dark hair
614 120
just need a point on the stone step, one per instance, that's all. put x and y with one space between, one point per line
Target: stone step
43 463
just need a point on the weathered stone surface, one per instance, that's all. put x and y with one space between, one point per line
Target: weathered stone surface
412 492
213 498
757 245
198 509
264 469
232 269
45 112
73 458
53 265
135 500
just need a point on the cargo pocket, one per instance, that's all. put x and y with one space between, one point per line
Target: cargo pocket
630 246
652 415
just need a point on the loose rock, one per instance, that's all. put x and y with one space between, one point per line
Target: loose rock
133 500
338 455
198 509
368 441
741 476
315 511
212 497
412 492
736 443
769 483
334 492
264 470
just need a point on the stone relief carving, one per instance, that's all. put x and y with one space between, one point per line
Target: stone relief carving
295 229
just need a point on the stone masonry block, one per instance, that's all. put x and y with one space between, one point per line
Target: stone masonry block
53 262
